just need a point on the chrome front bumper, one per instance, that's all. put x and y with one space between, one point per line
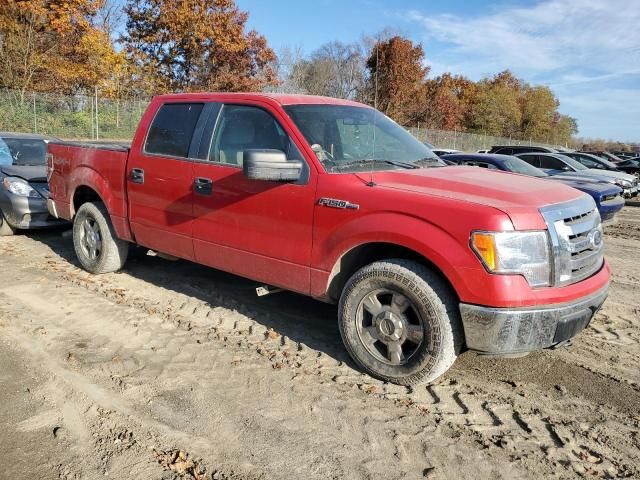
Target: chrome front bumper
503 331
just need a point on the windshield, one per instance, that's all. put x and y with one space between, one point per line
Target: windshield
573 163
22 151
517 165
356 139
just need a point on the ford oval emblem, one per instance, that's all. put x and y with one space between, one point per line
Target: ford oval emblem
595 237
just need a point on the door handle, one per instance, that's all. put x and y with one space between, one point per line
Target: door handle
203 186
137 175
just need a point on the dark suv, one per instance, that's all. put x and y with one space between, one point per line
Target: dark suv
514 149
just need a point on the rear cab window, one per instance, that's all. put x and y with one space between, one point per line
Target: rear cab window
172 129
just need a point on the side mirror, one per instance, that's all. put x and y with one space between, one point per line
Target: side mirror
270 165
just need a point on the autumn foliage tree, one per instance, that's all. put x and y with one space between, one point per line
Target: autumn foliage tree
188 45
447 103
53 45
396 77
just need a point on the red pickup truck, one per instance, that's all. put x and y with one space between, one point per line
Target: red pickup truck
332 199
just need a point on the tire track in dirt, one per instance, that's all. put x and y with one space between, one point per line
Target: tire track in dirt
458 405
141 342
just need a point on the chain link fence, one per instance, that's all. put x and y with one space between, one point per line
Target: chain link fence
465 141
97 118
70 116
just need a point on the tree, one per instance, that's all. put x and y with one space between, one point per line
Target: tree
334 70
496 108
396 78
52 45
565 128
187 45
538 112
448 102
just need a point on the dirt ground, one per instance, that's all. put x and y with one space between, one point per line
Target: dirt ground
172 370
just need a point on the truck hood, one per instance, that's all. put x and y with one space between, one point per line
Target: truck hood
30 173
518 196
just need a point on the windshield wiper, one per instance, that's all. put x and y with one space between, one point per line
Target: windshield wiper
429 160
364 161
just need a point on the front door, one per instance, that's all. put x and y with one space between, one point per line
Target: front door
159 181
257 229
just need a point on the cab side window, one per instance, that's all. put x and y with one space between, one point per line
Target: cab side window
531 160
172 128
551 163
242 127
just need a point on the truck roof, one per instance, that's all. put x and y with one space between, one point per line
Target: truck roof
281 98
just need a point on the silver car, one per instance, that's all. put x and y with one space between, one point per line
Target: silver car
558 164
23 183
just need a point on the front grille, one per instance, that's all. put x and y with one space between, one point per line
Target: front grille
576 236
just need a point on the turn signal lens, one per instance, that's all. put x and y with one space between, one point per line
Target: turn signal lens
485 247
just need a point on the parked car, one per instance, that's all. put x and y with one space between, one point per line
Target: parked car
558 164
424 260
607 156
23 183
513 149
599 163
625 155
631 166
483 151
608 197
443 151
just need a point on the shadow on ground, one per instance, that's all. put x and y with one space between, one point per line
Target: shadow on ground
300 318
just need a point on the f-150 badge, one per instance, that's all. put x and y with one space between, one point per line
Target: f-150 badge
335 203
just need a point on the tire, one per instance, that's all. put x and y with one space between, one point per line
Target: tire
6 230
110 252
430 322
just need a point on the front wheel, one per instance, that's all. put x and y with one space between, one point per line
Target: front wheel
400 322
97 247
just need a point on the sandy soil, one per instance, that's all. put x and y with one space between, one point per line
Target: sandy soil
172 370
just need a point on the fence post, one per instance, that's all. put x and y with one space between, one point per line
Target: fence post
35 117
97 125
455 133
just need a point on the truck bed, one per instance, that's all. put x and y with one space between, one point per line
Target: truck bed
102 165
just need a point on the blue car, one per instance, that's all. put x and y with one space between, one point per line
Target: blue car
608 197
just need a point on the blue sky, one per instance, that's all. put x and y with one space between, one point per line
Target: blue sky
587 51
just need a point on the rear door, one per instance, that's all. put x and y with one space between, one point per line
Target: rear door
257 229
159 181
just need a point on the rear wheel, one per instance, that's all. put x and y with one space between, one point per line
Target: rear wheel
5 229
97 247
400 322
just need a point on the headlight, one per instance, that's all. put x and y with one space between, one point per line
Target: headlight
19 187
521 253
623 183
